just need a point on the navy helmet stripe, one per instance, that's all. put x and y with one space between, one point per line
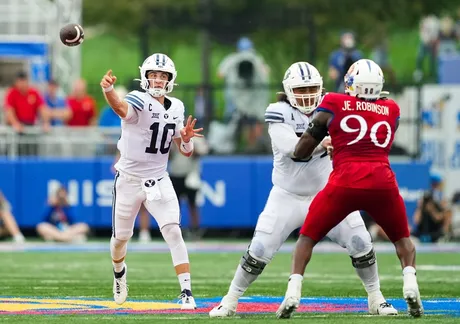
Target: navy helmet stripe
308 71
369 65
301 71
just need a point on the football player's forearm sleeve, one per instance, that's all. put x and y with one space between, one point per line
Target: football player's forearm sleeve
283 137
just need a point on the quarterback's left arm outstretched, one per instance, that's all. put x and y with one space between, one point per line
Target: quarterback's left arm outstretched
316 132
184 142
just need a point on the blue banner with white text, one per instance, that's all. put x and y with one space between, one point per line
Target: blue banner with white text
233 191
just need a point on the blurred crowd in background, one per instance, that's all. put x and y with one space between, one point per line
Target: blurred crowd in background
438 36
247 89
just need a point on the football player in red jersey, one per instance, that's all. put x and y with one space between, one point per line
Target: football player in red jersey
362 125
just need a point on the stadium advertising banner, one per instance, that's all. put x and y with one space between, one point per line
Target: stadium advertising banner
233 191
441 133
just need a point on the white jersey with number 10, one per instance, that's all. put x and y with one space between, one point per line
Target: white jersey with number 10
148 134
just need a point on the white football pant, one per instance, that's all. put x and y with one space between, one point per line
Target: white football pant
284 212
157 195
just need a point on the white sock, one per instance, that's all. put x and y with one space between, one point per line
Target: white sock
118 267
118 252
240 283
294 287
185 281
370 278
409 277
295 277
409 270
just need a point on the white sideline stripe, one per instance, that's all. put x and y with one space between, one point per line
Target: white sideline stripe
434 267
206 247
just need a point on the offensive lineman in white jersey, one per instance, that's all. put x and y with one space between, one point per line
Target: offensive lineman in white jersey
150 122
295 183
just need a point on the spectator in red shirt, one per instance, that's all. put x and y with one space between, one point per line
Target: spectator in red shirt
83 106
23 104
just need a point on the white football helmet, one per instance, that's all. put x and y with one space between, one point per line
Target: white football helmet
364 79
158 62
299 75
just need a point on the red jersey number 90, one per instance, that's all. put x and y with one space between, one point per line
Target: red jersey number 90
363 130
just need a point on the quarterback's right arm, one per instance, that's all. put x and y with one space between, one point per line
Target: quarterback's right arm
120 107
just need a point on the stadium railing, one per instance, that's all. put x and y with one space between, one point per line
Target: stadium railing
60 141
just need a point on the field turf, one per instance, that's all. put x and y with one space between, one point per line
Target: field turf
47 283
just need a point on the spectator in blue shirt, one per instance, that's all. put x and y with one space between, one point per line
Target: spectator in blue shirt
341 59
59 224
107 117
59 111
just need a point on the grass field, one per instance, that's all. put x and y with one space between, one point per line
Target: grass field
75 286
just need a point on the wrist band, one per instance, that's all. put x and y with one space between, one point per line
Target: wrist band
186 147
108 89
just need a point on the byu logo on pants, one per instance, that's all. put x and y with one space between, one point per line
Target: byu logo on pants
149 183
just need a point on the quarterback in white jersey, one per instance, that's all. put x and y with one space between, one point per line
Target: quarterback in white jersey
295 183
151 121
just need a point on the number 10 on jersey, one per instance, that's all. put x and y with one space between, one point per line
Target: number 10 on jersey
166 138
